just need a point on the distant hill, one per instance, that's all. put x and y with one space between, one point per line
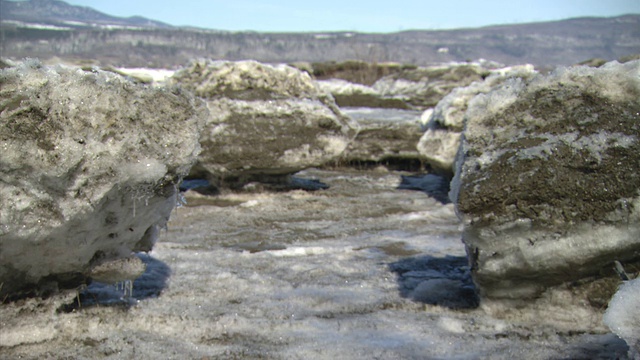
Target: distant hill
53 29
55 13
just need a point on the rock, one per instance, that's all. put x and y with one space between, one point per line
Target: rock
90 164
623 315
547 184
424 87
266 121
445 123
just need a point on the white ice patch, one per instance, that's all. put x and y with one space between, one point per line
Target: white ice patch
596 144
307 251
585 241
333 145
330 147
612 80
496 101
382 115
517 69
144 170
451 325
426 118
30 333
623 315
339 86
389 87
487 158
250 203
156 75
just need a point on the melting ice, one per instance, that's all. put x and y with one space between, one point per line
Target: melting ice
362 269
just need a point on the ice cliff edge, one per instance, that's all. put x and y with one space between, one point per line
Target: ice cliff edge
89 166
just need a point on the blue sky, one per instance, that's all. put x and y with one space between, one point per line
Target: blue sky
363 16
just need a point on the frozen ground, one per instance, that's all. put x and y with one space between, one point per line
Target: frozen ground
362 270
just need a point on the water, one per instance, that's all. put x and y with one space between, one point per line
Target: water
362 269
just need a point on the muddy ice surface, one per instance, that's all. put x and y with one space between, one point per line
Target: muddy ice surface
363 269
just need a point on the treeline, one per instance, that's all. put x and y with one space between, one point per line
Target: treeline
542 44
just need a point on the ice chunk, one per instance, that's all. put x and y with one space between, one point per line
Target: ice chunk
623 315
546 184
144 170
89 166
266 121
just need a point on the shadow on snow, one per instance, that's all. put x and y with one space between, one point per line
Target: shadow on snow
149 285
432 280
435 186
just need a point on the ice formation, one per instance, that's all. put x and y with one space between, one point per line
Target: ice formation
348 94
266 121
90 164
623 315
344 273
386 135
547 184
444 124
425 86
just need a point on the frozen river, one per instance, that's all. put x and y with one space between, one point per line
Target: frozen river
361 270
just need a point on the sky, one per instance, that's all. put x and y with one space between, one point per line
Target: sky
361 16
